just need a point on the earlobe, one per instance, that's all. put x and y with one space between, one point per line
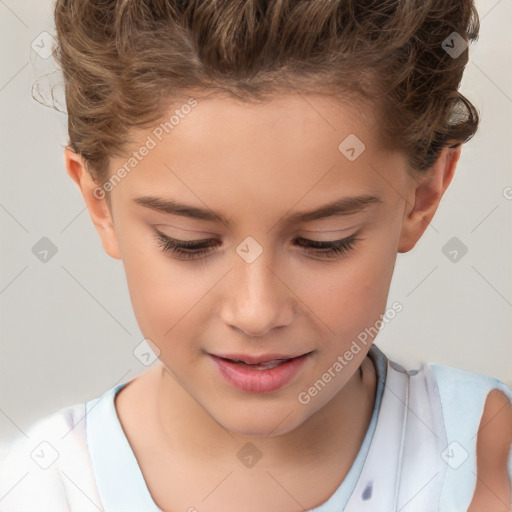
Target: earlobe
97 205
426 195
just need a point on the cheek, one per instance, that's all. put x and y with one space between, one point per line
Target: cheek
349 295
163 294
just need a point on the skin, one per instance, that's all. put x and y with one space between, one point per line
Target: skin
256 164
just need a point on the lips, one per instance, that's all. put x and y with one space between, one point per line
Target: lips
258 374
264 365
264 358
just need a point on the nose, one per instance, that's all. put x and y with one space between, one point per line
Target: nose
256 297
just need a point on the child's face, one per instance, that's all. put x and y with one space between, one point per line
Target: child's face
257 165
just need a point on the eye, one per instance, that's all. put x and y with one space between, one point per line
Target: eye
195 249
331 249
190 249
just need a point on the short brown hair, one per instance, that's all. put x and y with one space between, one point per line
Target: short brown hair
125 61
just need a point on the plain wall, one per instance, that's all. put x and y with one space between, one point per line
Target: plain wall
67 327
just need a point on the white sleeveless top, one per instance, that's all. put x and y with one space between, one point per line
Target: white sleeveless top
418 454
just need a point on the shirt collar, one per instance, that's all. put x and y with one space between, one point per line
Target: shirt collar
119 480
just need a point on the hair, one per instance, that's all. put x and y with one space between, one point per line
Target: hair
125 62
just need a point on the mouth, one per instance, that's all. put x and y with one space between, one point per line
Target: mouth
262 362
258 374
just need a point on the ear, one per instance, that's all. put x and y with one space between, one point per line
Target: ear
95 200
426 194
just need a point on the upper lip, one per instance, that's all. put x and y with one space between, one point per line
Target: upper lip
263 358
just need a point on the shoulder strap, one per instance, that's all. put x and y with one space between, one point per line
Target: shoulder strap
423 470
403 471
423 454
463 395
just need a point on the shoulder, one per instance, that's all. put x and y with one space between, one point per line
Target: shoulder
39 468
494 442
464 393
478 414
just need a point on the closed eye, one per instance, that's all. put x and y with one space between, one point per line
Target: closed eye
195 249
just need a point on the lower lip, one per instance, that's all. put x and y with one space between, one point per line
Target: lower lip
259 381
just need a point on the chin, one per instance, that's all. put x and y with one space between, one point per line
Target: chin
259 423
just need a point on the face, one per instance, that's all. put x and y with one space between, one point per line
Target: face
261 280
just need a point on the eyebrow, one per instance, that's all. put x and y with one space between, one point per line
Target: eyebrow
343 206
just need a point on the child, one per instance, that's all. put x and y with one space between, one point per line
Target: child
257 166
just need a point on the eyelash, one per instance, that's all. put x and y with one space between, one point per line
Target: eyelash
195 249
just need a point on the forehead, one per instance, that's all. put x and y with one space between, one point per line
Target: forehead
274 151
292 116
287 126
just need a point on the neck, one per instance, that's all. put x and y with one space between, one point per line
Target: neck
337 427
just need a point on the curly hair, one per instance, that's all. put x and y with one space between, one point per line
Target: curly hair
125 61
